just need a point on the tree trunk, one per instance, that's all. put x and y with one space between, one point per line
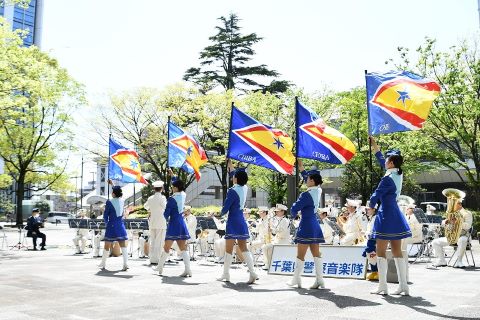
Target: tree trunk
19 198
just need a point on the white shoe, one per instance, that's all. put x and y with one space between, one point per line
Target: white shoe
226 268
297 279
186 262
402 277
319 283
382 265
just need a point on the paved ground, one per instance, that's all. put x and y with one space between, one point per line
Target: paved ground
55 284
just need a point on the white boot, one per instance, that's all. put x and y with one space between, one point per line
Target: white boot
227 262
249 261
125 258
402 276
161 262
319 273
382 265
297 280
106 254
186 262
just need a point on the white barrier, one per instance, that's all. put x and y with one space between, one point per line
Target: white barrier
338 261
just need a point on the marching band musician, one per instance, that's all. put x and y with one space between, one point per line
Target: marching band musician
190 221
353 225
390 224
439 243
81 235
325 226
176 229
157 224
415 226
309 234
97 236
430 210
114 226
262 229
280 230
143 245
370 250
237 228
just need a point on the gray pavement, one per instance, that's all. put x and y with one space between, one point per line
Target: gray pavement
56 284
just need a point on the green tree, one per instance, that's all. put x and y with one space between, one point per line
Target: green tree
454 121
36 100
225 61
43 206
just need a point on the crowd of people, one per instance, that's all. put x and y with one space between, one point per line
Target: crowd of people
386 222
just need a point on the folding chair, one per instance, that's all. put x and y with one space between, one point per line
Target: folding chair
467 249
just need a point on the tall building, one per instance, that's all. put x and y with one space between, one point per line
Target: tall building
29 19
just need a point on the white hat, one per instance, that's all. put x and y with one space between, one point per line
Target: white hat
431 208
353 203
186 208
411 206
262 208
322 210
158 184
279 207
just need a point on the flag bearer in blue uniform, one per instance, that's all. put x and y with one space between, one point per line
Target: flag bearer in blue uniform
309 234
176 228
236 228
390 224
114 226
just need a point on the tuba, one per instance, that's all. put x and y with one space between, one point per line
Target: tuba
454 219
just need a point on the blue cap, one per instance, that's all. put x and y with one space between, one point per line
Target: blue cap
313 171
393 152
237 170
35 210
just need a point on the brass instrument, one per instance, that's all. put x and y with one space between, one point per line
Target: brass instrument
203 234
454 220
268 236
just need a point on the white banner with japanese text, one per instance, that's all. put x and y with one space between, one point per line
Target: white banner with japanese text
338 261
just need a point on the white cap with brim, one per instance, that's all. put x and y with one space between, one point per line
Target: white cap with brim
187 208
158 184
263 208
280 207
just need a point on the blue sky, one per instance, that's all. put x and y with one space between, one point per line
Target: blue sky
117 44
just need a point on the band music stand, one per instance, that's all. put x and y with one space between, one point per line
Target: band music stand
137 224
19 245
434 219
78 223
420 215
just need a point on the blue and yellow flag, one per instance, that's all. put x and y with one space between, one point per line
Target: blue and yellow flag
398 101
316 140
184 151
124 164
253 142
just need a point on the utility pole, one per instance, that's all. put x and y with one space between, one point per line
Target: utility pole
81 186
76 192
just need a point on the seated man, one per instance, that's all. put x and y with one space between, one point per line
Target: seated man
415 227
81 235
438 244
261 229
34 223
280 229
325 226
353 225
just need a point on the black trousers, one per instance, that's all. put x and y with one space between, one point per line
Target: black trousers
39 235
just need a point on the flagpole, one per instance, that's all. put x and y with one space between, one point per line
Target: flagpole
167 180
296 148
108 165
228 143
369 140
